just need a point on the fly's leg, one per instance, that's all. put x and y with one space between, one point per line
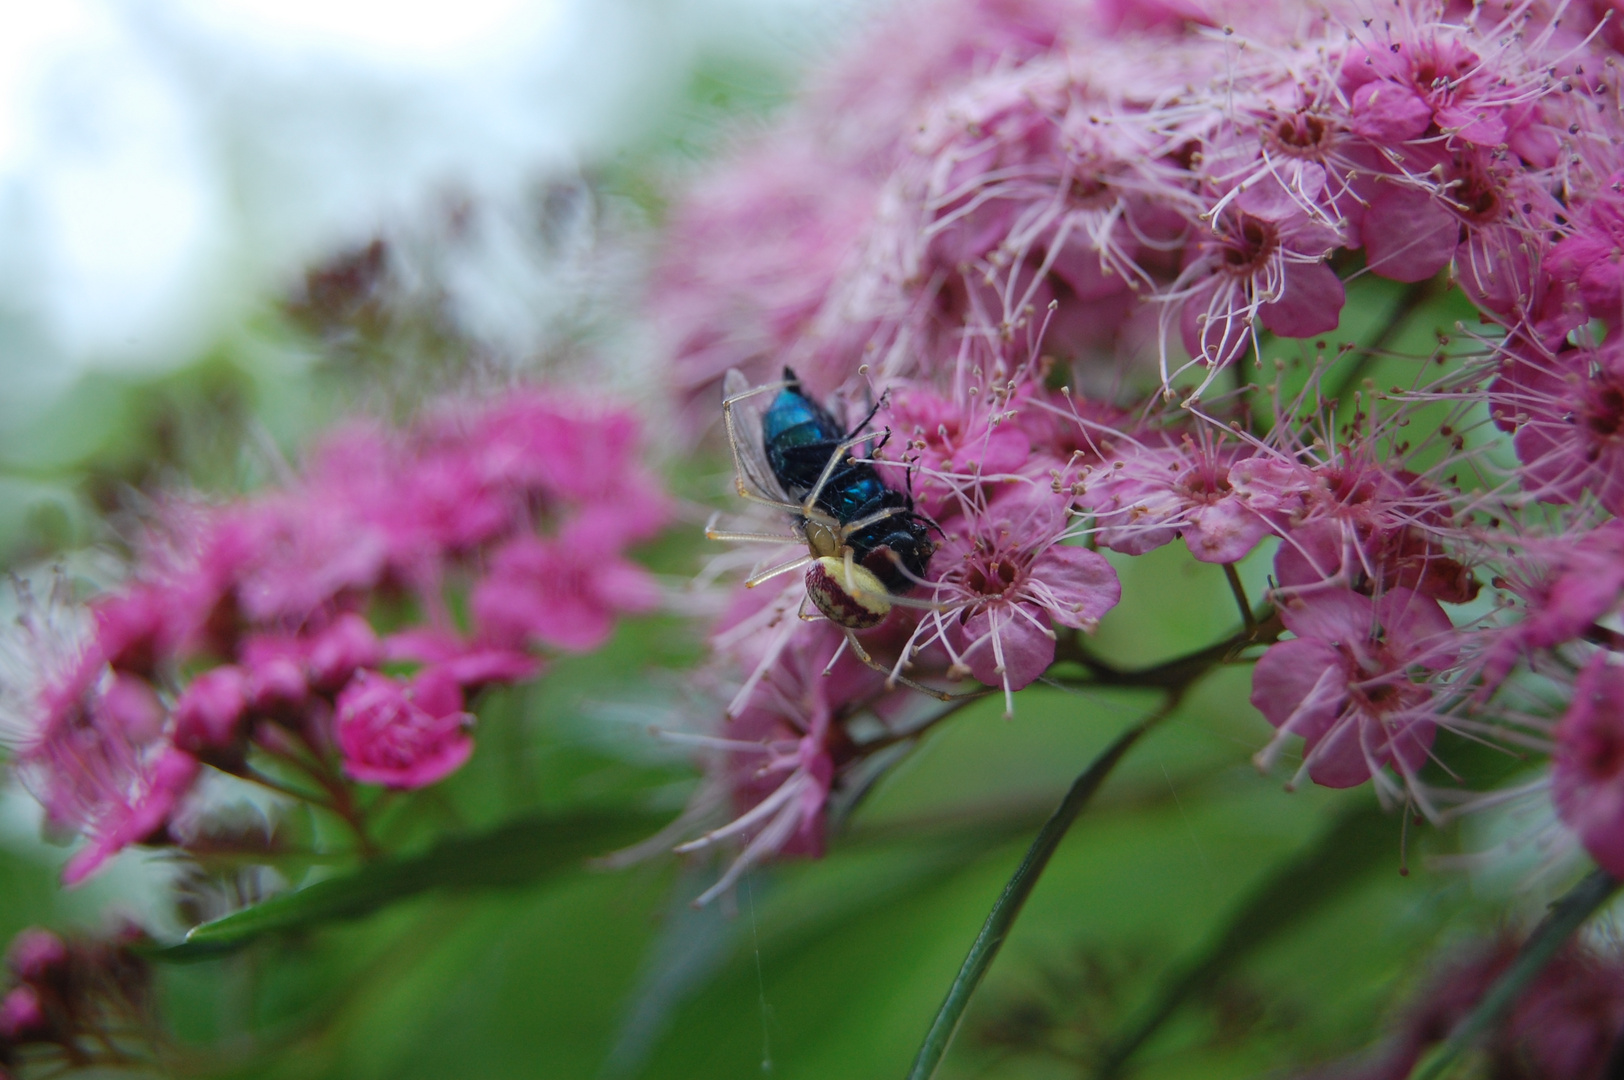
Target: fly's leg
872 413
911 467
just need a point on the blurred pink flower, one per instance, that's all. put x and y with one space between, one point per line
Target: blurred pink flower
402 735
778 758
35 954
332 655
564 593
1567 410
1587 769
131 814
242 630
209 714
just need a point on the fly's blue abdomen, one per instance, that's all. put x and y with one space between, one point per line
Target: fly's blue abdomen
793 419
800 437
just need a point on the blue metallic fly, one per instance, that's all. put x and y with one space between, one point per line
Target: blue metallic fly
866 544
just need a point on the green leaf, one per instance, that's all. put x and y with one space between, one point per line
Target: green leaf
520 852
1357 842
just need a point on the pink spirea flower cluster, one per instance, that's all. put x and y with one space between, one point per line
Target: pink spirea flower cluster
339 625
1050 241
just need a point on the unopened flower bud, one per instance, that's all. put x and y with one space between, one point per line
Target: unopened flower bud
402 735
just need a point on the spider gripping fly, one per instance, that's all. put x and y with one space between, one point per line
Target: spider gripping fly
866 545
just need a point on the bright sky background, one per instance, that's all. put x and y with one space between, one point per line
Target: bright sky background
164 161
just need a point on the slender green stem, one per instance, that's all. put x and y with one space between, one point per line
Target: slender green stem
1013 898
1238 588
1566 916
913 734
1177 673
342 803
1173 678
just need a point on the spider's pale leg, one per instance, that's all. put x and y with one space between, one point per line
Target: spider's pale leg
781 568
851 528
915 604
713 533
747 538
764 500
839 651
835 458
736 389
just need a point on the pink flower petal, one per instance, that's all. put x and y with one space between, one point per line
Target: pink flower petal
1311 303
1083 582
1026 650
1388 114
1407 235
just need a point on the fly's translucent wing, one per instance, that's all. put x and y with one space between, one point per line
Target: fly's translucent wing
742 406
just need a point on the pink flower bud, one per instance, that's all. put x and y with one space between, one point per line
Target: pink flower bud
21 1014
276 684
403 735
132 706
470 666
339 651
207 714
35 953
128 629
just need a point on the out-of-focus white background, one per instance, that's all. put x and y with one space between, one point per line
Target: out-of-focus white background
163 163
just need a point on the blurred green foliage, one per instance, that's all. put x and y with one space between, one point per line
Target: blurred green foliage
834 968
